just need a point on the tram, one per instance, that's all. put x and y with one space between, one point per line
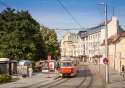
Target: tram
68 66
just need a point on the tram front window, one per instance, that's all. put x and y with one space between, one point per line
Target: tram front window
66 64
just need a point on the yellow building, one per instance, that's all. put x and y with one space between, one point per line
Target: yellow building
67 44
116 50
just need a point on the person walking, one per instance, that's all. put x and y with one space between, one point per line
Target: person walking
30 71
123 71
57 68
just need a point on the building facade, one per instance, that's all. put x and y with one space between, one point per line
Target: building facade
94 37
87 43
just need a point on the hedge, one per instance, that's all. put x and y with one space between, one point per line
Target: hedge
5 78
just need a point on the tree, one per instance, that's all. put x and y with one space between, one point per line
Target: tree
51 42
19 35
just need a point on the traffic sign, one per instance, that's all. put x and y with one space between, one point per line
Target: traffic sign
49 58
105 60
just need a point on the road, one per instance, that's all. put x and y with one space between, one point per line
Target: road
87 77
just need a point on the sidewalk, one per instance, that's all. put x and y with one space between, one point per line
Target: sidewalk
29 81
115 80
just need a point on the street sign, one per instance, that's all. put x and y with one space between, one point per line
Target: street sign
49 57
105 61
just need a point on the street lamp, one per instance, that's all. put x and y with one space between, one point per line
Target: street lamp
106 44
98 55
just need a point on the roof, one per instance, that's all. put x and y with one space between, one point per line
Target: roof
4 59
65 35
117 38
102 23
111 39
114 38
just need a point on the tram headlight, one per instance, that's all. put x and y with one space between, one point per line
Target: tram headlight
69 70
62 70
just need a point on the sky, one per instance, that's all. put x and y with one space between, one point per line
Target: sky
68 14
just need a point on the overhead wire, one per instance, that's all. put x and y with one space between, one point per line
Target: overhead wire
70 14
99 10
73 23
78 23
93 20
80 28
60 34
4 4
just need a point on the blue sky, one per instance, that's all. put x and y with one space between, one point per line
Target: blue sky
50 13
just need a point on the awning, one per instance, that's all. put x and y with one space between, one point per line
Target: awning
14 61
4 59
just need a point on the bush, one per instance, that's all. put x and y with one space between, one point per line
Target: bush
5 78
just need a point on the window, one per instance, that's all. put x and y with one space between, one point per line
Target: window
66 64
86 38
63 43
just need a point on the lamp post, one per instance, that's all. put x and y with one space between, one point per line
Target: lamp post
98 55
106 44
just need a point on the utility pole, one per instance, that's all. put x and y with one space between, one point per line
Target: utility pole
106 43
98 55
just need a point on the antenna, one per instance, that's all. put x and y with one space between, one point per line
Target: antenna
113 11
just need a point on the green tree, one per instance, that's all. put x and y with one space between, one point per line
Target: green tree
51 42
19 35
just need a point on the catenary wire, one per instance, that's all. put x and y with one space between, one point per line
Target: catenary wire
4 4
73 23
93 20
99 10
69 13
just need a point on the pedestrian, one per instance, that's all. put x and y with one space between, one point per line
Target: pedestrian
123 71
57 68
30 71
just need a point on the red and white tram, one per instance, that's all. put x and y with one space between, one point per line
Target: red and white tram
68 66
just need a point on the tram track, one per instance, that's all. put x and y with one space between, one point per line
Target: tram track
59 83
81 80
55 83
86 83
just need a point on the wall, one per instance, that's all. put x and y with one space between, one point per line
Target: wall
113 26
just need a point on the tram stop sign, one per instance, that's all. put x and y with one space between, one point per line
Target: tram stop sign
105 61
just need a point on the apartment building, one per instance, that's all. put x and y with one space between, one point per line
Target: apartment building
68 44
87 43
94 37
